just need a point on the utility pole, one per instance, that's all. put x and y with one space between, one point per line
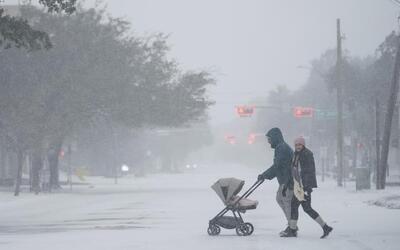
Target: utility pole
394 89
339 95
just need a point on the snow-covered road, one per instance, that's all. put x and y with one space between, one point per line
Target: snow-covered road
172 212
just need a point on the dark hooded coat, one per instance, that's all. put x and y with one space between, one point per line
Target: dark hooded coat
281 168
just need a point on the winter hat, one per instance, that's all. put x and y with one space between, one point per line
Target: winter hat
300 140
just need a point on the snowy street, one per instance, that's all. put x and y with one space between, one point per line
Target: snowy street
146 125
172 212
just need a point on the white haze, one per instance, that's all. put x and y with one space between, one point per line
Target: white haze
254 45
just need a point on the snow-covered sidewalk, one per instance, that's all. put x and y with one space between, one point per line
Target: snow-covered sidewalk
172 212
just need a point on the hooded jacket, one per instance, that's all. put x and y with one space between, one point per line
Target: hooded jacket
281 168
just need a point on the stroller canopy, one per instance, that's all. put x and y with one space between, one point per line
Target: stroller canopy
226 188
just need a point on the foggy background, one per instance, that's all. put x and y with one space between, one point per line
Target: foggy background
252 46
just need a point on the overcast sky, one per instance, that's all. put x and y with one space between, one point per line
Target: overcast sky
254 45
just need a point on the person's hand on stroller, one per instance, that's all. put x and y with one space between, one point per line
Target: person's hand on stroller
261 177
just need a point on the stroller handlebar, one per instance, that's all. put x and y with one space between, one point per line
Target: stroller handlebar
253 188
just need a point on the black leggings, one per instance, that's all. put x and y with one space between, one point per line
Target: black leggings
306 207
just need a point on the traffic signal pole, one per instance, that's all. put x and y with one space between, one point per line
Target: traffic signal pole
339 93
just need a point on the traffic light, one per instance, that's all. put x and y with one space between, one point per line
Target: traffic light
231 139
61 154
245 111
303 112
251 139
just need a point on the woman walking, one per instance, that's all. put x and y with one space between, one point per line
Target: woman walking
304 180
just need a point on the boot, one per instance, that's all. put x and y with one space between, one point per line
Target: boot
290 233
327 229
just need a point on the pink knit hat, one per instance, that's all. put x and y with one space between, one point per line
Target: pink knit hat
300 140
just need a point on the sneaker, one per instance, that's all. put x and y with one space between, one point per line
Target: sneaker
290 233
287 230
284 231
327 229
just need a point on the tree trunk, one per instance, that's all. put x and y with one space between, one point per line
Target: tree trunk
3 155
53 159
377 145
394 89
355 154
37 163
18 178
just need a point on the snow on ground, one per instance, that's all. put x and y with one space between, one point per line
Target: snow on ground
172 212
392 202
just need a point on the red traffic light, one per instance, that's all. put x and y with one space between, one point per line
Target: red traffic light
61 154
251 139
244 111
231 139
303 112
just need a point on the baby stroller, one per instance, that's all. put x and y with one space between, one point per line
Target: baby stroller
227 189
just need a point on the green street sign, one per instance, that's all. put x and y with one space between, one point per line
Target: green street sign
325 114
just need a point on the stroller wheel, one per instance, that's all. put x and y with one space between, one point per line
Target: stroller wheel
213 230
250 228
242 230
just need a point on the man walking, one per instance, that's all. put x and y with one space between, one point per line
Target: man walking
304 180
281 169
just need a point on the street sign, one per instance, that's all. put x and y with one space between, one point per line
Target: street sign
325 114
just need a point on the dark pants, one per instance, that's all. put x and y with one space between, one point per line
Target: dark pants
306 207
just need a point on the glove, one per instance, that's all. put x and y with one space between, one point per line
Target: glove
284 189
260 177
